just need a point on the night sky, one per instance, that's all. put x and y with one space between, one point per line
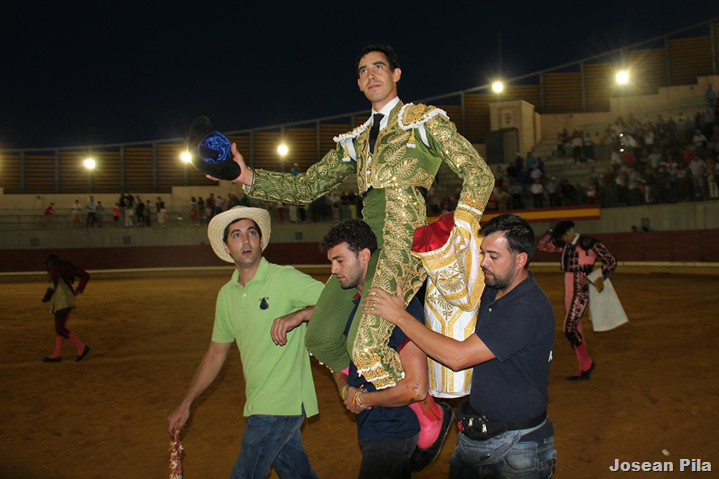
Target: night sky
111 72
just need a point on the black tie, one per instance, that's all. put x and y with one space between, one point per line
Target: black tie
374 131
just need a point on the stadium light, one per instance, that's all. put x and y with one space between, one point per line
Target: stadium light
185 157
497 86
282 150
90 163
622 77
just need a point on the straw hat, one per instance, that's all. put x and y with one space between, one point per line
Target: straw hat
216 228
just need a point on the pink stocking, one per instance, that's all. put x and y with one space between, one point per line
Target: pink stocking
59 341
585 362
77 342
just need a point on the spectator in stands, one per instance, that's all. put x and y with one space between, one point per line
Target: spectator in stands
116 215
628 159
518 162
194 221
552 189
650 181
616 159
91 208
322 208
76 212
502 198
712 170
537 193
698 168
560 145
219 203
578 146
699 140
588 146
148 213
622 182
673 180
711 96
655 157
48 213
682 183
567 191
641 163
634 185
708 123
159 204
535 173
210 207
499 177
99 212
593 177
511 171
531 160
608 189
516 192
599 149
201 210
591 193
335 204
140 212
295 169
541 165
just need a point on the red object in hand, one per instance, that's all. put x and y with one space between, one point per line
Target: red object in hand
176 457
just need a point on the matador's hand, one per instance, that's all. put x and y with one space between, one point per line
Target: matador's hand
387 306
245 173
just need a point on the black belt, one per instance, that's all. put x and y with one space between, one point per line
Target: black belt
479 428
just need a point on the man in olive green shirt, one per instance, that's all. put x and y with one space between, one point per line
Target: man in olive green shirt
279 385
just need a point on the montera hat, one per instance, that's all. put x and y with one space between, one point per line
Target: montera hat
216 228
561 228
210 151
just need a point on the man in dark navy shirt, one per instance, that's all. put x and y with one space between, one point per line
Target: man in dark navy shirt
387 427
511 353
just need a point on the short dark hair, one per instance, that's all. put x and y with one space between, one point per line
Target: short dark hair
386 50
519 234
226 234
356 233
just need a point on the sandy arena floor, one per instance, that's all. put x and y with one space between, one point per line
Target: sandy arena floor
655 386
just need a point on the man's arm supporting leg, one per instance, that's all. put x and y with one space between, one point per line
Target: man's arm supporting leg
325 338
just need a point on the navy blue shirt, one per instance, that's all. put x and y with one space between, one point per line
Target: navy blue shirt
519 330
385 423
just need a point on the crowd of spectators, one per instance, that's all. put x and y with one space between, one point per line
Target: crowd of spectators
664 160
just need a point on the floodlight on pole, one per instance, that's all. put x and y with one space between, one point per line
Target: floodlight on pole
282 150
185 157
90 163
497 86
622 77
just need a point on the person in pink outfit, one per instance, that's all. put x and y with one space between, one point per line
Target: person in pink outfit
579 253
61 297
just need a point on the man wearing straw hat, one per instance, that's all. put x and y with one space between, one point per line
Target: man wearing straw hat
279 385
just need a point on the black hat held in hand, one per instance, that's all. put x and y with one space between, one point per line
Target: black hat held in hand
210 150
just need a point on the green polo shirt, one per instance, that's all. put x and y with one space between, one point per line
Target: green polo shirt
278 378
